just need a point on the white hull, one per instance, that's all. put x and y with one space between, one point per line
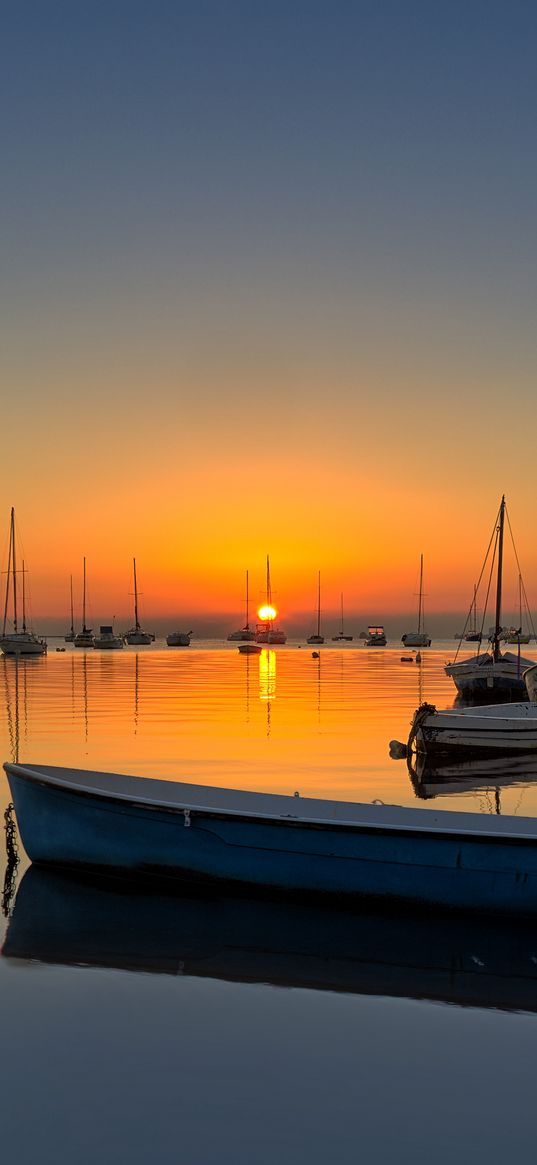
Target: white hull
22 643
178 639
250 648
413 639
271 637
114 644
482 673
500 727
244 636
139 638
84 639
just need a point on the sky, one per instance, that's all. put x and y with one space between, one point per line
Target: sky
267 285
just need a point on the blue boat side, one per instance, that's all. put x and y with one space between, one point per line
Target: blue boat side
73 828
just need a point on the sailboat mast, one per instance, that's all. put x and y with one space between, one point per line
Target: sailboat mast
497 628
342 613
14 561
520 602
72 615
319 605
420 600
23 599
136 623
84 599
474 612
269 590
8 577
247 624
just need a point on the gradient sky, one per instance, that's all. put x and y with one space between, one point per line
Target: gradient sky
268 283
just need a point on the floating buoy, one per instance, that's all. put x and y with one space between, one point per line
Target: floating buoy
418 657
398 750
315 655
407 659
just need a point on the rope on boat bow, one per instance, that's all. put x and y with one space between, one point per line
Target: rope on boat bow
12 854
420 715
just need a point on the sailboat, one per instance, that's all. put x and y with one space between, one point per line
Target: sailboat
17 642
418 638
266 632
137 636
246 634
492 672
341 636
473 635
85 637
70 638
516 634
317 637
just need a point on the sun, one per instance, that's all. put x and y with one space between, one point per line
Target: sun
267 614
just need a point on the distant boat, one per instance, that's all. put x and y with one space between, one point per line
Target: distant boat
341 637
516 634
266 632
150 829
492 728
418 638
179 639
246 634
17 642
473 635
375 637
492 673
317 637
137 636
70 637
84 638
250 648
107 640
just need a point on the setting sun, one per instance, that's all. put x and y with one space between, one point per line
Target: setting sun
266 613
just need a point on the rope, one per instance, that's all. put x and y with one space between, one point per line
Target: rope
420 715
12 860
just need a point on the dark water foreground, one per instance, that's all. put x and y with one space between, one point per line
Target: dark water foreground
205 1030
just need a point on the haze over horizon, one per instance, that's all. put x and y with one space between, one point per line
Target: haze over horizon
268 285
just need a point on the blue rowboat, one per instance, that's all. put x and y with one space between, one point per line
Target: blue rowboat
460 958
170 830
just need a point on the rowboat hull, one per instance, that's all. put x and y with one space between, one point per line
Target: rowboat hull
504 728
412 855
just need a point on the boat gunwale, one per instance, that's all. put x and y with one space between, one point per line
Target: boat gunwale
436 830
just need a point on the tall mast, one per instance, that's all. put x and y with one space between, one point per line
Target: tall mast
497 628
247 625
14 561
8 577
72 617
84 598
319 605
136 623
342 612
23 599
474 611
421 594
520 601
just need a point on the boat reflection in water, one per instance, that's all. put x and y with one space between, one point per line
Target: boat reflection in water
452 958
445 777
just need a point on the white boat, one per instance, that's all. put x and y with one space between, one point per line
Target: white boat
266 632
70 637
420 637
107 640
245 634
150 829
491 673
18 641
473 635
250 648
137 636
179 639
493 728
375 637
317 637
85 637
516 635
341 637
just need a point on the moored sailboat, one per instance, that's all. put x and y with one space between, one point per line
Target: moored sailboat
17 642
341 637
492 673
85 637
265 631
137 636
70 637
418 638
246 634
317 637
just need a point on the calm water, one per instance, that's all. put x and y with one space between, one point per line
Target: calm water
147 1029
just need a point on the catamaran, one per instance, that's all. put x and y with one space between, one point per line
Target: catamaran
137 636
420 637
84 638
317 637
23 641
